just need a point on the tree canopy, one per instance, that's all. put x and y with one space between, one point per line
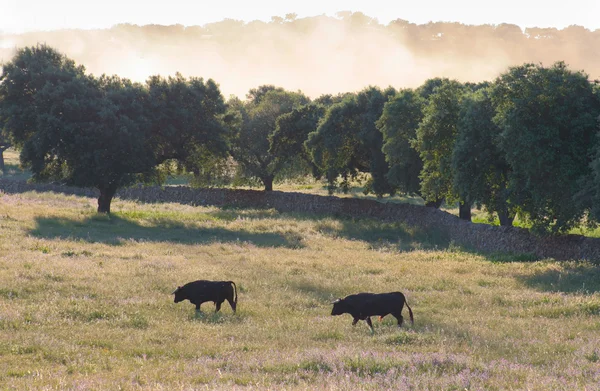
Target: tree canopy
186 115
292 130
31 70
481 172
79 130
257 121
106 132
398 124
347 141
548 120
435 140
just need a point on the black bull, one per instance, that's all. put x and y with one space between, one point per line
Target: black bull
364 305
201 291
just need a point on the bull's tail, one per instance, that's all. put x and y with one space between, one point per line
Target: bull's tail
235 297
412 320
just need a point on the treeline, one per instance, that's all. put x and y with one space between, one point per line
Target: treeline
319 54
525 144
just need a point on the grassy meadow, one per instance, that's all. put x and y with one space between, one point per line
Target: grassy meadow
85 303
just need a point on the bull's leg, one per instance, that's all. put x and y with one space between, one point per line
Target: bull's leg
198 307
231 303
398 316
370 324
355 321
218 304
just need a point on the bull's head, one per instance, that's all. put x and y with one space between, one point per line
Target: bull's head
339 307
179 295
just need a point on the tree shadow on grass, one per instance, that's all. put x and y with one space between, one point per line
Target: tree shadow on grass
386 236
116 231
380 235
569 277
232 214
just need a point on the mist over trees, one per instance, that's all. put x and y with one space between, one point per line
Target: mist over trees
318 55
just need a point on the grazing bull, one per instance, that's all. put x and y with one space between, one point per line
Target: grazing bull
364 305
201 291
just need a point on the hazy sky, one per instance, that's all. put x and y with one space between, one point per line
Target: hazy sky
32 15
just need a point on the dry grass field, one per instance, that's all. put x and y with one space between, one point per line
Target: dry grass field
86 304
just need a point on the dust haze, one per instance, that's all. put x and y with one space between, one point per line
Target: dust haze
317 55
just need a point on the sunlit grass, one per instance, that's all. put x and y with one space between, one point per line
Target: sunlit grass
85 303
585 231
356 190
12 168
482 217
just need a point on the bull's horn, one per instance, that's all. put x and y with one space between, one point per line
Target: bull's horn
336 301
175 291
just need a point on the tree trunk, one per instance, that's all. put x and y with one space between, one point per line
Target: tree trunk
268 182
434 204
506 220
464 210
2 167
106 196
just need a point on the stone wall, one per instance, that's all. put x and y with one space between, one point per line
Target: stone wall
480 237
